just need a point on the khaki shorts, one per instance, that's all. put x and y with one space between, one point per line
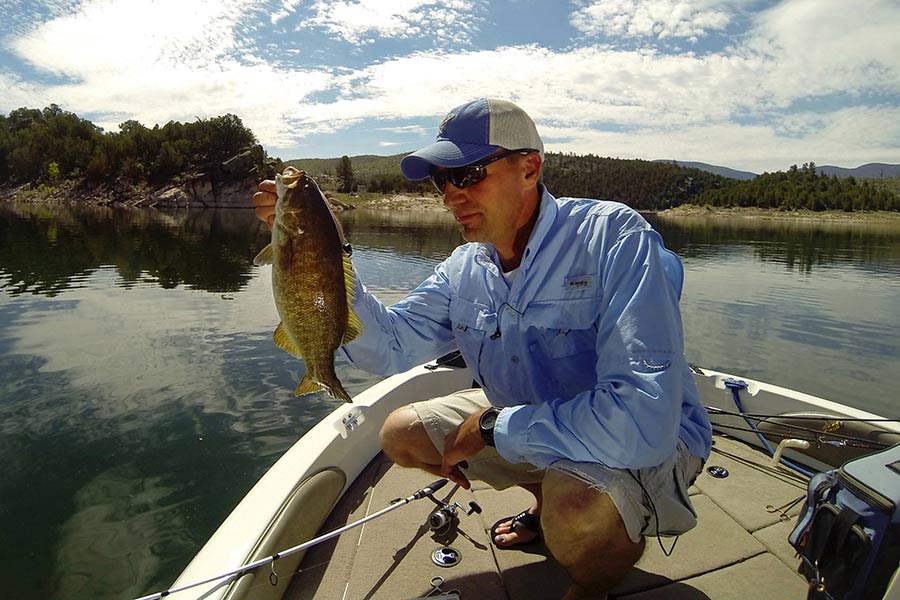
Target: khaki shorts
651 501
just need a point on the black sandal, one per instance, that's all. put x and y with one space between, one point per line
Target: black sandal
523 520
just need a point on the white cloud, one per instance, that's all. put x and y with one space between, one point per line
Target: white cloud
286 10
630 104
161 61
822 47
16 93
363 21
19 16
585 86
114 35
846 137
690 19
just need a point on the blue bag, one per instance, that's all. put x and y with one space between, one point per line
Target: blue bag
848 533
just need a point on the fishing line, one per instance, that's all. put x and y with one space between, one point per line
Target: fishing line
496 335
762 416
790 477
671 549
425 492
832 418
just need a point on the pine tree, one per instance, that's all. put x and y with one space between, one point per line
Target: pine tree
345 175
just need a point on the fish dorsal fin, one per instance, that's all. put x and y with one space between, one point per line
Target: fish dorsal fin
264 257
283 341
354 325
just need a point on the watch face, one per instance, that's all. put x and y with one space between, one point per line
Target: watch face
488 419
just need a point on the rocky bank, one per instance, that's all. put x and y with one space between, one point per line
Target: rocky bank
229 183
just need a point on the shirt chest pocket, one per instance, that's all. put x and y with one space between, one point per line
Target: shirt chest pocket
471 323
563 328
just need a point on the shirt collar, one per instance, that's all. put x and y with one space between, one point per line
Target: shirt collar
546 218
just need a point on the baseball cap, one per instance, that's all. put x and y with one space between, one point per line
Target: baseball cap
471 132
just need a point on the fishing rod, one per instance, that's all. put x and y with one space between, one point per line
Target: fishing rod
426 492
819 434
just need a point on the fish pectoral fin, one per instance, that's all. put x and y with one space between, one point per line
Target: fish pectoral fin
264 257
354 328
308 385
283 341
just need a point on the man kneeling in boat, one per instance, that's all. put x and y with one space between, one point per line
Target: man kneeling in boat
566 311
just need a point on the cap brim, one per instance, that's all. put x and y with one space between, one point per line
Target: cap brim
442 153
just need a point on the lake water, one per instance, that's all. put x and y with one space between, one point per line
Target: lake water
141 395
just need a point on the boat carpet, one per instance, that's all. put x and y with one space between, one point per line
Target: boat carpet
738 550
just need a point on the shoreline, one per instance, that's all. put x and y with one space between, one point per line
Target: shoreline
403 202
773 214
143 197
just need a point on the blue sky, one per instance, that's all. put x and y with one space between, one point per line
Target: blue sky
754 85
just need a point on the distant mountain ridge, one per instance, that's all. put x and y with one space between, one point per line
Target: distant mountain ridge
714 169
866 171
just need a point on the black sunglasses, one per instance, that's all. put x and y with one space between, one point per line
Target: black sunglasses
463 177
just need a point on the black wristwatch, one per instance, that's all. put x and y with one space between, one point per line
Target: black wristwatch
486 424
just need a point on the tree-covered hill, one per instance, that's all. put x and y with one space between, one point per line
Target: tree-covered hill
803 188
52 145
379 174
649 185
888 184
642 184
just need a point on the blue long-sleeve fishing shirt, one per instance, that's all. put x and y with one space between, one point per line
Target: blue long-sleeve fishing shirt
583 347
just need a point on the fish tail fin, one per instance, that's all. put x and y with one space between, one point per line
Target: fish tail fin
354 325
337 391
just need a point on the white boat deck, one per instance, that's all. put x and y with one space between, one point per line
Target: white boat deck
739 549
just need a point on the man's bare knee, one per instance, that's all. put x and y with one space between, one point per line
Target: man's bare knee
405 441
585 533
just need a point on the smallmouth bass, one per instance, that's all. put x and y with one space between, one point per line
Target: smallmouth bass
312 281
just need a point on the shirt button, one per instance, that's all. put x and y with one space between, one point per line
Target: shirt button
515 359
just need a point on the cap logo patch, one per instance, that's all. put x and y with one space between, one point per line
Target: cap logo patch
443 124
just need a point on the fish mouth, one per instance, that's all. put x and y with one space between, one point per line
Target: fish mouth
301 186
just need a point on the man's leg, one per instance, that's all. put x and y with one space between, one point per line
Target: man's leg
586 534
406 442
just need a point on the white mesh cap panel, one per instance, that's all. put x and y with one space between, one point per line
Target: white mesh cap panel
512 128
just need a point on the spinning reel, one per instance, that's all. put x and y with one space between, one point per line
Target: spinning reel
445 516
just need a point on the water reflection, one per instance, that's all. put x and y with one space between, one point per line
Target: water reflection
46 249
136 408
809 306
426 234
798 245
